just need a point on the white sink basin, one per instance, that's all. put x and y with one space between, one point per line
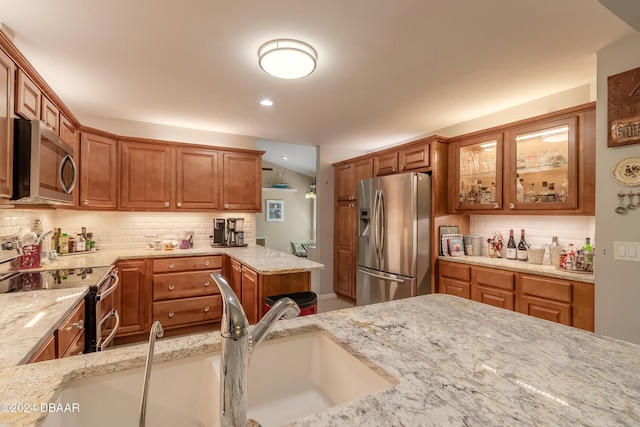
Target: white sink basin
289 378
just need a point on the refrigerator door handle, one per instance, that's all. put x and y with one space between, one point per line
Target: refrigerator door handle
383 222
374 224
379 276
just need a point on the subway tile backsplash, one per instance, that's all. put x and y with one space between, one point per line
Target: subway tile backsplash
538 229
114 230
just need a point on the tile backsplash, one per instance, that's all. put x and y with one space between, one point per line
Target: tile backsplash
538 229
114 230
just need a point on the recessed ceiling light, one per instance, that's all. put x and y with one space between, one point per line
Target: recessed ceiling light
266 102
285 158
287 58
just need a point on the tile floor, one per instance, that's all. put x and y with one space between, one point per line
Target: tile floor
330 304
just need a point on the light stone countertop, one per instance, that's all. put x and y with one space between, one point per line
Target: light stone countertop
18 344
522 267
456 362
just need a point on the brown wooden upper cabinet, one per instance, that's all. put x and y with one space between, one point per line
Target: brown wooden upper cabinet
50 115
348 175
68 131
28 97
98 171
414 157
197 178
7 72
538 166
242 181
385 164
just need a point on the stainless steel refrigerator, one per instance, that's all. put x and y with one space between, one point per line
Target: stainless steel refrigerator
394 241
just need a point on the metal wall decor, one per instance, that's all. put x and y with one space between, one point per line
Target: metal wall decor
624 108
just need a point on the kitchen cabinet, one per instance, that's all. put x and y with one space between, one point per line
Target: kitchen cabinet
242 181
347 175
7 73
538 166
98 171
414 156
28 97
50 115
345 245
146 176
558 300
132 297
385 164
68 132
67 340
184 293
194 168
47 351
250 299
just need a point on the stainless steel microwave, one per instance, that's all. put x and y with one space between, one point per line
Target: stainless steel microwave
44 170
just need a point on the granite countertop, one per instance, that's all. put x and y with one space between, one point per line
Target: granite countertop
456 362
18 343
522 267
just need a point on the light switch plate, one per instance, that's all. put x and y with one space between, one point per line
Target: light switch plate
626 251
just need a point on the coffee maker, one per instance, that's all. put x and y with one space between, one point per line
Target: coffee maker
235 231
219 232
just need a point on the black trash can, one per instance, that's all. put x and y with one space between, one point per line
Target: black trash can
307 301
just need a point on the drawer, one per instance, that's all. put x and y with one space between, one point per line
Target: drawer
558 290
183 285
168 265
455 271
495 278
455 287
188 311
70 329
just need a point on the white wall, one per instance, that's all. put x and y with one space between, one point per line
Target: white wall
617 282
298 211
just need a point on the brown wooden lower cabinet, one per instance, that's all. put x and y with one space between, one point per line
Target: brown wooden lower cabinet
67 340
47 351
132 297
557 300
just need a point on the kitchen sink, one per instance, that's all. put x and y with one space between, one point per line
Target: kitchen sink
289 378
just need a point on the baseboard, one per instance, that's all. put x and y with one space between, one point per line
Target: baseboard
328 296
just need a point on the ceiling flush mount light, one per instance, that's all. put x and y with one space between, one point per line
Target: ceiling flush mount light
266 102
287 58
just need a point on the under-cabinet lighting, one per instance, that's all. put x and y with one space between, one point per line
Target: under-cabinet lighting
543 134
489 144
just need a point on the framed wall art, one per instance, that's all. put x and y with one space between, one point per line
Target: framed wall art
274 211
623 110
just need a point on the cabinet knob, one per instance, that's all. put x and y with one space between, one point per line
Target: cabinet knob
171 314
226 205
85 202
172 265
79 324
171 287
512 205
179 204
206 263
496 206
206 309
166 204
206 284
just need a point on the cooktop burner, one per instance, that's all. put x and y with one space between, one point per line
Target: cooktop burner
52 279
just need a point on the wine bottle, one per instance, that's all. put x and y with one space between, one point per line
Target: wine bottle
511 246
587 250
521 251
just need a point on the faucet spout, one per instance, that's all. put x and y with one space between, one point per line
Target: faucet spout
236 346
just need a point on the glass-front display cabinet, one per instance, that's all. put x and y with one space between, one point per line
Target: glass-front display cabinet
540 169
478 165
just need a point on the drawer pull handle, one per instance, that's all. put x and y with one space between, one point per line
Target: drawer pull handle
206 284
171 287
206 263
79 324
171 314
166 204
206 309
172 265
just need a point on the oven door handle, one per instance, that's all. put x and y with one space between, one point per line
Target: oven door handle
112 335
108 291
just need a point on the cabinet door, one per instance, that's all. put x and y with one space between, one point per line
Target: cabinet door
345 247
132 297
546 298
146 173
50 115
47 351
250 294
414 157
455 287
543 158
7 70
70 331
28 97
242 181
345 183
197 179
67 130
235 277
476 172
385 164
493 296
98 172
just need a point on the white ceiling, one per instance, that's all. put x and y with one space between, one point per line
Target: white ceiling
388 70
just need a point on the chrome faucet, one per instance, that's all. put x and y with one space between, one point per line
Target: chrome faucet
156 332
237 346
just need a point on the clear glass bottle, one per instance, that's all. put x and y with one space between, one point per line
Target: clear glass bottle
550 196
531 196
571 257
564 189
521 250
544 191
511 246
492 192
